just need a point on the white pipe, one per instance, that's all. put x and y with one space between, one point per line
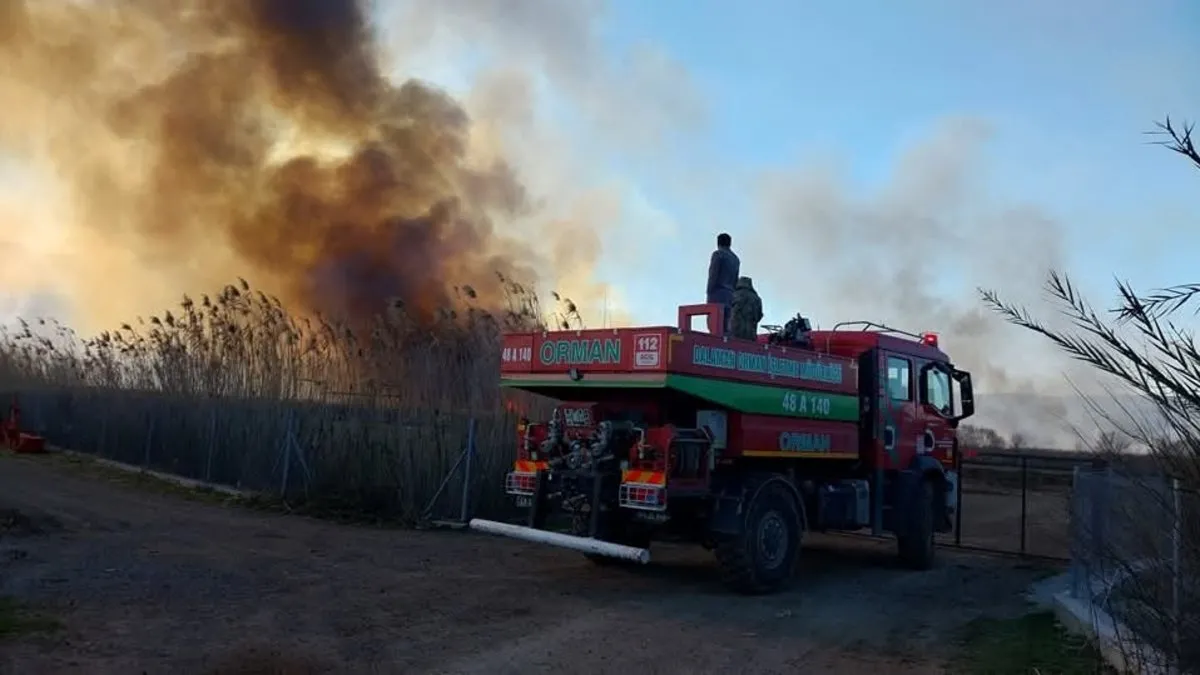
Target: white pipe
582 544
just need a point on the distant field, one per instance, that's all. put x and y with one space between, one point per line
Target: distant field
991 519
992 500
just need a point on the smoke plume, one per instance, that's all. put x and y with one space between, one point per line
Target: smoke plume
910 252
200 140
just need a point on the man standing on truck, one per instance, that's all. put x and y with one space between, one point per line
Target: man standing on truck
723 270
747 309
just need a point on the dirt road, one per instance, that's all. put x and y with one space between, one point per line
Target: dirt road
150 582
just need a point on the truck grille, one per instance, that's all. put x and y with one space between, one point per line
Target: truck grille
643 497
520 483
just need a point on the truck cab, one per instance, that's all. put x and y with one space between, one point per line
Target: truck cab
913 400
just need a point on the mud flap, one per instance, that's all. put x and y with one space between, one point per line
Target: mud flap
594 507
537 509
906 487
727 515
731 504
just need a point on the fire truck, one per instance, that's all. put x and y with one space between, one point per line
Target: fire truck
665 433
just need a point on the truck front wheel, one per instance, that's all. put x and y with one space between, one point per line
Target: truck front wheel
916 546
762 557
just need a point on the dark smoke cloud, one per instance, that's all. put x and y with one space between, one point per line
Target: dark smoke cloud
216 138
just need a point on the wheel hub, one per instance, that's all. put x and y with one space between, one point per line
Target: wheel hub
772 540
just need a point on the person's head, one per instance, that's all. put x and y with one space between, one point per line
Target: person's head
724 240
745 282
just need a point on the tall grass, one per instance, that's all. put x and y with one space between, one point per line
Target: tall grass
235 389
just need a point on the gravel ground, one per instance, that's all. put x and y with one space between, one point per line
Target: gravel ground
145 581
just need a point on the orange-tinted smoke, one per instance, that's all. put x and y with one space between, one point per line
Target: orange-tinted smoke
267 127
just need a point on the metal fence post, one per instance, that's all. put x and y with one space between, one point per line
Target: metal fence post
1176 564
466 488
212 442
1104 518
285 456
103 444
958 466
1024 500
1073 547
149 440
465 460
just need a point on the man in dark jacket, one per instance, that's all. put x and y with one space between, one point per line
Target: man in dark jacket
723 270
747 310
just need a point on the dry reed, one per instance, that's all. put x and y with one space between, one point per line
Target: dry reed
236 390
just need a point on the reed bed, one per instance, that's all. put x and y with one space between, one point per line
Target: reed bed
364 418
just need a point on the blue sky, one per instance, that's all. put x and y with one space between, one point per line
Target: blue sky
872 158
1067 90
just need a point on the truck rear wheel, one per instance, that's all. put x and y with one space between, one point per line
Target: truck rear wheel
916 547
762 558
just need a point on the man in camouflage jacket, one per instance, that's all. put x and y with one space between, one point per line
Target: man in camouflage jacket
747 309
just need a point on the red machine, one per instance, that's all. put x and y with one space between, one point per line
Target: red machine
15 439
742 446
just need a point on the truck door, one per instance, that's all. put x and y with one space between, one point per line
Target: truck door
898 418
936 410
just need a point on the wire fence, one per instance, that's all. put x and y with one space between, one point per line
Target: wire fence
1135 553
351 457
1118 523
369 457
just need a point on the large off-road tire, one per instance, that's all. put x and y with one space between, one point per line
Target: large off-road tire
916 547
762 558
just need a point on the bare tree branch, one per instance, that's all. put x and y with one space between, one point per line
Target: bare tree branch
1165 368
1177 139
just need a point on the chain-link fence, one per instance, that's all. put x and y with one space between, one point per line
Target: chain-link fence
363 458
1135 547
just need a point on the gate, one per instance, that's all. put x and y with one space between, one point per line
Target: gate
1016 502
